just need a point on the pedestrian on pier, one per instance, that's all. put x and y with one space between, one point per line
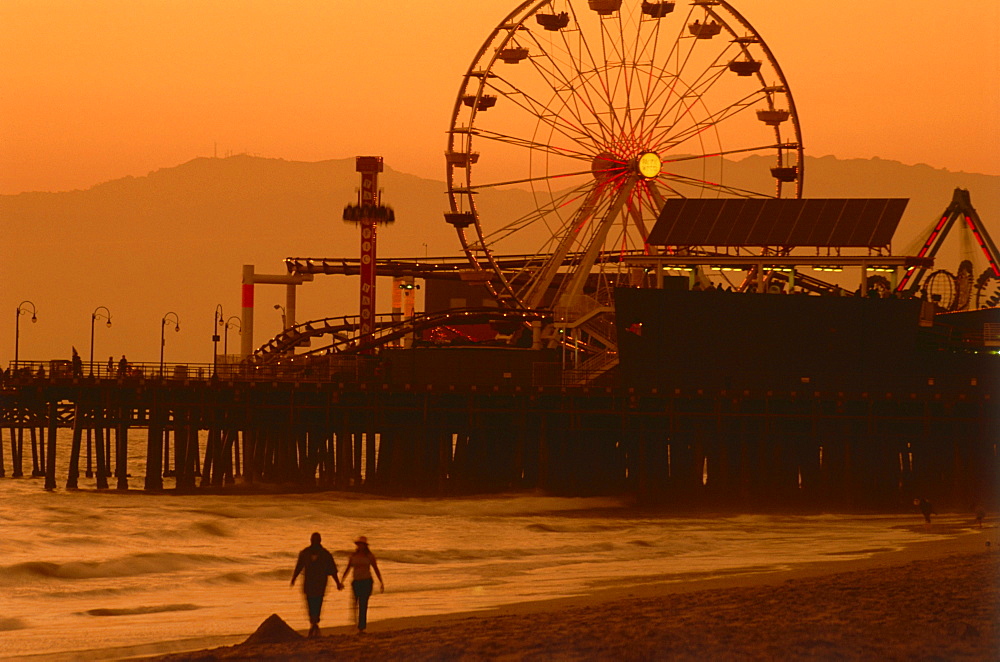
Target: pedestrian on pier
77 364
122 366
111 366
317 564
363 562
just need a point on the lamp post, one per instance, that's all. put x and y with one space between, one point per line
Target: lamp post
94 316
278 306
21 310
230 323
215 339
171 318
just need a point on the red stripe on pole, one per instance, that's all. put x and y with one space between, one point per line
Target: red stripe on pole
248 295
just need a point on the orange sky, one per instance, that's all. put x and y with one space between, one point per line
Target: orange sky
95 90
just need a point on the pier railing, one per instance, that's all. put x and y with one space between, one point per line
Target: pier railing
337 368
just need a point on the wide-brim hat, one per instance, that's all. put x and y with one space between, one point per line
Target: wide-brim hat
362 540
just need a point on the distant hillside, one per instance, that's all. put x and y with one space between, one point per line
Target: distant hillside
175 240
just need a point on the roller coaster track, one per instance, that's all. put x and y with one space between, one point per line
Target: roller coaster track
435 267
388 328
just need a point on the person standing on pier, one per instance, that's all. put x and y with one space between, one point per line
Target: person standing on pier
317 564
123 366
363 562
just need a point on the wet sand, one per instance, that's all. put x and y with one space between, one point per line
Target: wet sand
935 600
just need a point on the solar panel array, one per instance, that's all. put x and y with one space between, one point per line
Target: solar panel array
829 222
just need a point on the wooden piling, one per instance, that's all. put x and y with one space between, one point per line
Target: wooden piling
101 432
36 467
74 453
121 451
90 451
16 451
153 481
41 450
50 454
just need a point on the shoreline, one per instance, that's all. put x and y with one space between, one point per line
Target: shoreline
945 542
937 599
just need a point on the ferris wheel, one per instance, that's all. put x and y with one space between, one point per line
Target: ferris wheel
590 113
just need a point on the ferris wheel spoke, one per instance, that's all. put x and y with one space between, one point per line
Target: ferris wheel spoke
644 91
726 152
651 200
541 111
579 93
540 178
533 145
634 205
673 135
678 73
541 214
675 46
668 142
710 186
596 63
695 90
650 44
657 196
633 80
572 96
612 57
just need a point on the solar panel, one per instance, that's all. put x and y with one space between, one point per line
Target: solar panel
827 222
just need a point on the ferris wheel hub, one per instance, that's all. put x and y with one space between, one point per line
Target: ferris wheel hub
606 166
649 164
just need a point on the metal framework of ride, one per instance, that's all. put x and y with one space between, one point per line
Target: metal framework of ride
955 291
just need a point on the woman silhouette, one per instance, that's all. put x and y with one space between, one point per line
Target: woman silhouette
363 562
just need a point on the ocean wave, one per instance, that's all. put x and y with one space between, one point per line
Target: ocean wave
246 577
450 556
132 611
8 624
126 566
230 578
212 529
90 592
576 528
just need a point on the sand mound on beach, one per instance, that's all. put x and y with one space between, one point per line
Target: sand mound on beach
273 631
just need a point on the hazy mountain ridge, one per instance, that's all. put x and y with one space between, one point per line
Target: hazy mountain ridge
176 238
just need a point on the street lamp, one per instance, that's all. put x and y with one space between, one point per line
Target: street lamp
230 323
94 316
215 338
278 306
21 310
171 318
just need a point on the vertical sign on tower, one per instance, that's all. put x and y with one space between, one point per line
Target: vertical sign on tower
368 213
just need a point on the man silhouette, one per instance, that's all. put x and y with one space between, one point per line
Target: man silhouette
318 564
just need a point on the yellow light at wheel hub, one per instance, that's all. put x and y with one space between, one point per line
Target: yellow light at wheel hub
649 165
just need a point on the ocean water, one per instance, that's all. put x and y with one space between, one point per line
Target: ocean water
82 570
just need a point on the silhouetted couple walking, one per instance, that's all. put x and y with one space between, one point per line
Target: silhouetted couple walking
317 564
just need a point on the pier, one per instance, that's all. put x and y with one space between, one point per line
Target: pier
800 447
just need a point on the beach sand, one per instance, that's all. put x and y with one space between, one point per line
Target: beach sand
933 601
